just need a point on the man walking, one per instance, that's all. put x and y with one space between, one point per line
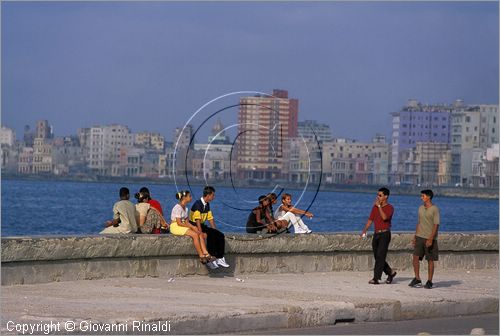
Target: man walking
381 215
425 239
199 214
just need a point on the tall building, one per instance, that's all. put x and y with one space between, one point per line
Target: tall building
312 130
28 136
416 123
42 156
473 127
106 145
265 125
43 130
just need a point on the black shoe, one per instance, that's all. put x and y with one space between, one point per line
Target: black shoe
390 277
415 283
428 284
374 282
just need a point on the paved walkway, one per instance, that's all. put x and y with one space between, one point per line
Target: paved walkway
226 304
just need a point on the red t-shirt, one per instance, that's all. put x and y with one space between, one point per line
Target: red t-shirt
380 224
155 204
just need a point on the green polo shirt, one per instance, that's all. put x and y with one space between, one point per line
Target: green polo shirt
427 218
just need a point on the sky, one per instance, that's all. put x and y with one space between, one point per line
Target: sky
152 65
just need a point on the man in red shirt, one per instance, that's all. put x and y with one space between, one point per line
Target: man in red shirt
381 215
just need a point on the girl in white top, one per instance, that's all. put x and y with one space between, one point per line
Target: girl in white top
291 214
181 227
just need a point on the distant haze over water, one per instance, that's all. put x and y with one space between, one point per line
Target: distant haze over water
55 207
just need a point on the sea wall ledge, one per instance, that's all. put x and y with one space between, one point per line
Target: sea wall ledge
64 258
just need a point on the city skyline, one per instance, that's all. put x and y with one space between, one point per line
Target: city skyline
152 65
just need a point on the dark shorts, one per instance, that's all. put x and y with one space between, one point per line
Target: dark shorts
431 253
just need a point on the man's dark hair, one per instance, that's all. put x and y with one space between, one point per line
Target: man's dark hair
385 191
262 198
124 192
208 190
428 192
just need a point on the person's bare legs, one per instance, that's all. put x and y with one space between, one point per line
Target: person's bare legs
430 270
416 267
196 242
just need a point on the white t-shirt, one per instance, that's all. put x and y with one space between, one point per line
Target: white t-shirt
142 209
178 212
280 212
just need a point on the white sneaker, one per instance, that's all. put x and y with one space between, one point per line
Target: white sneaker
212 264
222 262
308 231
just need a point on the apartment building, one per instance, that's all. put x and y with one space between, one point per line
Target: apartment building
313 130
150 140
474 129
265 125
106 145
417 123
349 161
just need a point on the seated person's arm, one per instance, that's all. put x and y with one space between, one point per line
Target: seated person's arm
164 224
296 211
113 222
269 215
142 219
258 217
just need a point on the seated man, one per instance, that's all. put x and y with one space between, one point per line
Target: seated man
260 220
287 212
124 220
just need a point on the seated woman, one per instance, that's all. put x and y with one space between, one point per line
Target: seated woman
149 220
156 205
288 212
257 220
180 226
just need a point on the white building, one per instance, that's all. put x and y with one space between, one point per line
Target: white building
7 136
106 144
313 130
348 161
473 128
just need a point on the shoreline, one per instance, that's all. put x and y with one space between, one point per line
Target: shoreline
475 193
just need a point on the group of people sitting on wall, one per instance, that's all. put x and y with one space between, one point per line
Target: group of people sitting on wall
262 219
147 217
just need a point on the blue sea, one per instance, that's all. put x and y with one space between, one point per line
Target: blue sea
57 207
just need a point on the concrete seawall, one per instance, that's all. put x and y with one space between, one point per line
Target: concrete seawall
28 260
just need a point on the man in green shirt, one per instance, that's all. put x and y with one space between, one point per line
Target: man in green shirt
425 239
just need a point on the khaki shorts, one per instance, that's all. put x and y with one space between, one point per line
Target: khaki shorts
431 253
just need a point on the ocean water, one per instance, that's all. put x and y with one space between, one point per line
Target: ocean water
56 207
